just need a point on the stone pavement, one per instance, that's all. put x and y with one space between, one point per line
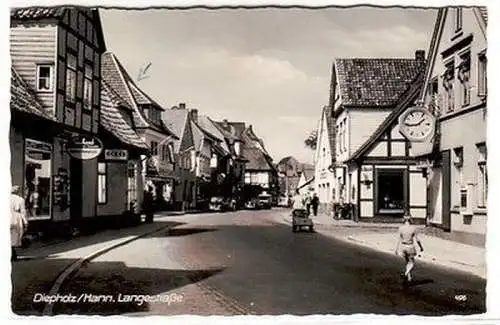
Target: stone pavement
382 237
41 264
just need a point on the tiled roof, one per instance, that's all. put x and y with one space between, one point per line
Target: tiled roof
405 101
197 135
484 14
23 98
176 120
228 131
375 82
30 13
256 159
117 78
112 120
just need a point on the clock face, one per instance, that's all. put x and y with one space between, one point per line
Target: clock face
417 124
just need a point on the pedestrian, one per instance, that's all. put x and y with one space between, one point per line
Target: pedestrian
298 203
307 202
18 222
315 204
148 205
407 237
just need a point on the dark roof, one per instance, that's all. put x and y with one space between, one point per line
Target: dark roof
406 100
120 81
256 159
23 98
375 82
112 120
286 160
176 120
32 13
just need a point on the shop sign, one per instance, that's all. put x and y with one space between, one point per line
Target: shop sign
115 154
84 147
37 150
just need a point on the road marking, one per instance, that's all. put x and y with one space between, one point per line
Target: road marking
74 267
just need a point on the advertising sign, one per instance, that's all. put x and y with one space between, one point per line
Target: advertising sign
84 147
116 154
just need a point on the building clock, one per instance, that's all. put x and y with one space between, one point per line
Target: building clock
417 124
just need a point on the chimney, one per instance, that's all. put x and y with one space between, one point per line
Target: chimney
420 55
194 115
182 105
225 124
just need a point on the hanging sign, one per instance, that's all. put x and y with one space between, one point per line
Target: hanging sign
84 147
116 154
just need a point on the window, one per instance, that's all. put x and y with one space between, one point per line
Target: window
132 187
44 78
482 84
464 78
390 187
170 153
482 182
248 178
341 131
154 148
87 88
101 183
71 78
458 161
433 92
344 138
458 19
38 187
448 80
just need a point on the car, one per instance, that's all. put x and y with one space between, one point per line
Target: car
301 219
251 204
264 201
229 204
216 203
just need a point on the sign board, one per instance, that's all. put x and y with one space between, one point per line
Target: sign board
84 147
116 154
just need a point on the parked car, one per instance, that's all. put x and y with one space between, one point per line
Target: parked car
264 201
251 204
216 203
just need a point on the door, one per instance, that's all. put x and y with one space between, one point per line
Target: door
75 176
446 189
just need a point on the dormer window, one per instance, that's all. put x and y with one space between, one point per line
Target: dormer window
44 77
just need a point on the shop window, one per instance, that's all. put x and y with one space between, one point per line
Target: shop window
390 189
482 181
38 173
44 78
102 183
464 78
131 186
248 178
448 80
482 81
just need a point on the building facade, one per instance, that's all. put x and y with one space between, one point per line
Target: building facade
324 176
56 52
288 173
455 91
361 100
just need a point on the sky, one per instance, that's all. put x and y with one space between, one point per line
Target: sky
270 68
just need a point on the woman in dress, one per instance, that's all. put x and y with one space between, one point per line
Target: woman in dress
18 222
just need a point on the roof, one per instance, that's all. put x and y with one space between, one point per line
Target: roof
309 181
120 81
405 101
197 135
256 159
330 126
23 98
286 160
308 172
176 120
375 82
484 14
228 131
32 13
113 121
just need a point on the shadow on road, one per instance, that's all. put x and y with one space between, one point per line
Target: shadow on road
177 232
117 281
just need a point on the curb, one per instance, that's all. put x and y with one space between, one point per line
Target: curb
73 268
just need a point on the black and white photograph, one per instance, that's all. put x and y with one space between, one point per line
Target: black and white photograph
248 160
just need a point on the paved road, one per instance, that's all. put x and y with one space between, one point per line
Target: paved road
250 262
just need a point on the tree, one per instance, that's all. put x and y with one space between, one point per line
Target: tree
312 140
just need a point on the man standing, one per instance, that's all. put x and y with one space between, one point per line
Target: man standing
407 237
18 222
315 204
148 205
307 203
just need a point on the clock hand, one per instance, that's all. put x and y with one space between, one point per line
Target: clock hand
415 123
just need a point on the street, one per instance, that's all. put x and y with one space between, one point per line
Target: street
250 262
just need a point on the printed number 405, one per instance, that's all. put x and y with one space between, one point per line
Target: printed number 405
461 297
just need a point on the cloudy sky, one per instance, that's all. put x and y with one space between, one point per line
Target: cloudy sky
267 67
